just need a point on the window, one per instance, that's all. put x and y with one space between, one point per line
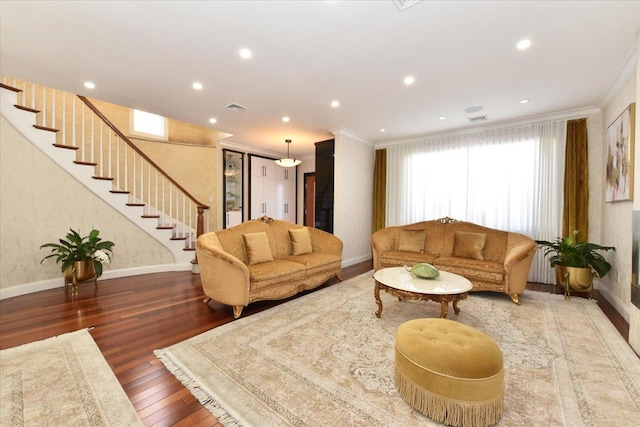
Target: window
148 125
509 179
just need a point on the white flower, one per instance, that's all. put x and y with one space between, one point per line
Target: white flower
102 257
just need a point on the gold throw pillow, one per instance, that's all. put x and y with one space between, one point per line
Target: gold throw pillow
300 241
469 245
256 246
412 240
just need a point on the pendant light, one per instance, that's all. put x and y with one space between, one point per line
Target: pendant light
288 162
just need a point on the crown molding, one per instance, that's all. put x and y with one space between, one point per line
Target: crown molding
528 121
626 72
340 131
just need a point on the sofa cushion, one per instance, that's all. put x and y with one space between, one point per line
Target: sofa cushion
256 246
411 240
395 258
300 241
469 245
275 272
474 270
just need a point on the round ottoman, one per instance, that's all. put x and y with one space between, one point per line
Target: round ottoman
450 372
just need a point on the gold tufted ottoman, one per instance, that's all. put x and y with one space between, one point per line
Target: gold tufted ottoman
450 372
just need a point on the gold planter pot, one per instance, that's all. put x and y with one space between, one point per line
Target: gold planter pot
574 278
80 271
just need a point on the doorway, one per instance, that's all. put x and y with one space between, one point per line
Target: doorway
309 199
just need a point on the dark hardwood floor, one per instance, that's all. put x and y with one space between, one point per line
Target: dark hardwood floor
133 316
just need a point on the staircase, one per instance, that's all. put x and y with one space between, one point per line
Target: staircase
72 132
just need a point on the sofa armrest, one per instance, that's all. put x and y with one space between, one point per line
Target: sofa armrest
381 242
224 278
517 262
519 247
324 242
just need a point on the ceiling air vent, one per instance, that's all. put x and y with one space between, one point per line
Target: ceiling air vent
476 119
236 107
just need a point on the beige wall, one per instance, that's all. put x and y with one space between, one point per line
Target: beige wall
616 217
39 202
353 195
634 317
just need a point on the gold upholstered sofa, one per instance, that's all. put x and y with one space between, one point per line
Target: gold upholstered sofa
265 259
492 260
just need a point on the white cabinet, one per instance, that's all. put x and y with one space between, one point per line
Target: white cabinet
272 190
233 218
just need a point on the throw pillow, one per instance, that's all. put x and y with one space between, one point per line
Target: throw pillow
256 246
300 241
469 245
412 240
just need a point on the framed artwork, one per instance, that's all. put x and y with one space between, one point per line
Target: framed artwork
620 145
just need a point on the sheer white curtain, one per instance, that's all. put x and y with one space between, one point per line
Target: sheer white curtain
509 179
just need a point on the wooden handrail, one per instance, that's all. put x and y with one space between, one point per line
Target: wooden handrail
140 152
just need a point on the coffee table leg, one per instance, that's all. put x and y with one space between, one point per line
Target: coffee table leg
444 309
376 292
455 306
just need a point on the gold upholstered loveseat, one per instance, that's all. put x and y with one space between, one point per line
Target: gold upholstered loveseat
265 259
492 260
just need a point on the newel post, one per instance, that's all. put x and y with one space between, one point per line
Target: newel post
195 269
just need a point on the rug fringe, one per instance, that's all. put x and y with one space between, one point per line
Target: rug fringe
449 411
208 401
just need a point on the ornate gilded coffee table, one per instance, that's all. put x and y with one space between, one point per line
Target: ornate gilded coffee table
448 287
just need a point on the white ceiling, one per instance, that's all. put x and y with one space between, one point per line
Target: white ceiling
146 54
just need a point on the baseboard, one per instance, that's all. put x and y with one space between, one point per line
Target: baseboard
357 260
44 285
617 304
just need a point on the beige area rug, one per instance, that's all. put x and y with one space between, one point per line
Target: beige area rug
325 359
61 381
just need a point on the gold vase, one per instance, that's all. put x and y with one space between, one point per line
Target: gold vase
574 278
80 271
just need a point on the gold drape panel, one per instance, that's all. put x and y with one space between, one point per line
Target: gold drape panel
575 215
379 190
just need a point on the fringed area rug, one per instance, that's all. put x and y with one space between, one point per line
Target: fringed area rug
61 381
325 359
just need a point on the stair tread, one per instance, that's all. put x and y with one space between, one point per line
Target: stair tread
165 227
78 162
150 216
104 178
136 204
66 147
11 88
31 110
120 191
46 128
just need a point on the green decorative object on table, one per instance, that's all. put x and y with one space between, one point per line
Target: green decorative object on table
424 270
81 258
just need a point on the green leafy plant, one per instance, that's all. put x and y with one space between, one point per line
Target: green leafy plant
78 248
571 253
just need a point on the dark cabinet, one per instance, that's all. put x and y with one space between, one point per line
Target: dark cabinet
324 185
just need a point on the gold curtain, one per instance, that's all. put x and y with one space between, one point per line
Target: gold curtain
379 190
575 215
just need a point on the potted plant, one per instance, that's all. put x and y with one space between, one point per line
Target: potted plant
80 258
574 262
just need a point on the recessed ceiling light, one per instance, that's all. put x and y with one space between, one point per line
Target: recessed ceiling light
382 130
89 85
409 80
245 53
197 86
442 117
524 44
212 120
286 119
524 101
335 104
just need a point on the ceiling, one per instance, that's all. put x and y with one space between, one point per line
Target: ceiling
147 54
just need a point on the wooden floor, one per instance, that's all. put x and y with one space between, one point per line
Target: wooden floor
135 315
